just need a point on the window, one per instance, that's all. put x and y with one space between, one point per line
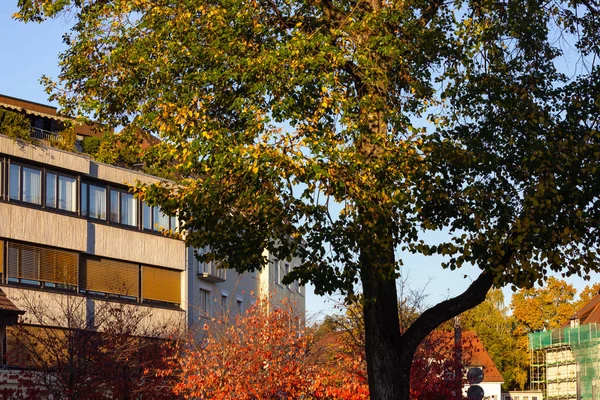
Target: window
123 208
224 300
93 201
204 303
161 284
1 262
61 192
37 265
281 273
287 271
239 305
25 184
110 277
154 219
534 398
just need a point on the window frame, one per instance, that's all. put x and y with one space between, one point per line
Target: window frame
172 219
224 303
21 167
38 253
57 198
239 305
119 204
204 308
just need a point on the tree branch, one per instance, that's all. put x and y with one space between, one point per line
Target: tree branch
441 312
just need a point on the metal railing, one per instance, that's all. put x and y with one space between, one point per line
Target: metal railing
42 134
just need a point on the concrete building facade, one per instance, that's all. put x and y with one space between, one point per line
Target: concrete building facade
70 229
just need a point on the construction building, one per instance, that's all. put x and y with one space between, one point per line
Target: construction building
565 362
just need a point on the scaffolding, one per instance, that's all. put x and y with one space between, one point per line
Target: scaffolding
565 363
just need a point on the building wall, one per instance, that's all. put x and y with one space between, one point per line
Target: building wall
33 225
244 288
523 395
68 311
43 227
271 284
45 155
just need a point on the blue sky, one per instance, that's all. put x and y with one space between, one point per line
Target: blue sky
30 51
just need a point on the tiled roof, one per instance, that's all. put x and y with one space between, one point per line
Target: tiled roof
479 357
590 312
7 306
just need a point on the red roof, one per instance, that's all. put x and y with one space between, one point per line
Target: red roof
473 352
479 357
590 312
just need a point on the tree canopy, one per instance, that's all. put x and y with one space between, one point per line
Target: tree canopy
297 127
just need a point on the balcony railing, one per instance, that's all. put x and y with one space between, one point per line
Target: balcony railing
209 271
47 136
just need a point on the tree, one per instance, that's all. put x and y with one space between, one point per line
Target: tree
543 308
438 366
294 127
71 355
588 293
493 325
260 355
15 125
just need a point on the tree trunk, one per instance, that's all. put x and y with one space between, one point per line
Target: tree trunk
389 353
388 378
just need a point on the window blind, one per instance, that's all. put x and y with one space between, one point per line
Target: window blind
23 262
42 264
109 276
161 284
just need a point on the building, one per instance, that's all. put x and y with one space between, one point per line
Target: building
565 362
71 232
70 229
523 395
216 293
476 356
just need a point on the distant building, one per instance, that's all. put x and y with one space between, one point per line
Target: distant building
215 293
475 355
523 395
565 362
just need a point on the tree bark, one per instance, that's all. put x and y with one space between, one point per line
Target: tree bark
387 380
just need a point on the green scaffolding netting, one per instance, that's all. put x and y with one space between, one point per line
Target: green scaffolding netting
584 342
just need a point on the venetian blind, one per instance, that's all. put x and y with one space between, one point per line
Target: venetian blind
42 264
109 276
161 284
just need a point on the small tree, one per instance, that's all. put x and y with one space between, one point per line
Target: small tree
15 125
263 355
